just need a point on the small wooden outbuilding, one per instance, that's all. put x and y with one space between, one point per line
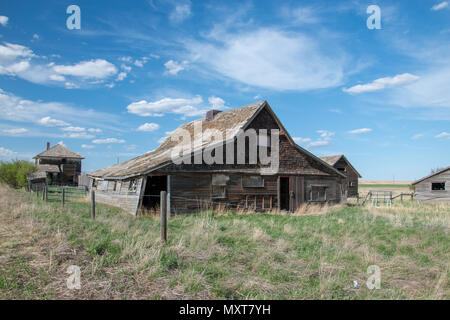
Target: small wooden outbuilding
434 187
341 163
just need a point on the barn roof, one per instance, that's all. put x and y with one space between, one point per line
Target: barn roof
48 168
58 151
431 175
332 160
228 123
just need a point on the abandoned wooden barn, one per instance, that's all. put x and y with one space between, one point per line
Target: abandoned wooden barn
341 163
434 187
135 185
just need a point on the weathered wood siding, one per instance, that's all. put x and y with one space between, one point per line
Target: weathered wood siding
425 194
121 197
351 182
191 192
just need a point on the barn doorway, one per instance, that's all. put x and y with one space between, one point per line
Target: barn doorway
284 193
153 188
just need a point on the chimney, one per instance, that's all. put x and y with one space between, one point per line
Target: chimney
48 145
211 114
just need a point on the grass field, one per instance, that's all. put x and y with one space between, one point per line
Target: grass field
317 254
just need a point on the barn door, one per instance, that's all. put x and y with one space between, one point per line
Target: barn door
296 194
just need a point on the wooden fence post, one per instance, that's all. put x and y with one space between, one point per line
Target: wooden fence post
43 193
63 196
163 216
93 204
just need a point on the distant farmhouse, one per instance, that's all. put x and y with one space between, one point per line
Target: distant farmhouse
434 187
341 163
56 165
135 185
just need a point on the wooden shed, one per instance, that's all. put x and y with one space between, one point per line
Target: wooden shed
434 187
341 163
135 185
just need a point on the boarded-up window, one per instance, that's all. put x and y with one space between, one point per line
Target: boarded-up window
437 186
103 185
219 192
252 182
132 186
318 193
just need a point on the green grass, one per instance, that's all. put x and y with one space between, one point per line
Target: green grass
252 256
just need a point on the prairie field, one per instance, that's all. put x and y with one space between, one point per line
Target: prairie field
316 253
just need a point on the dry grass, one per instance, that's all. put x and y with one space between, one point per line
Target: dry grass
315 253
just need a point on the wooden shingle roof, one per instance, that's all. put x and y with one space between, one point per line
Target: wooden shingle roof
332 160
228 123
58 151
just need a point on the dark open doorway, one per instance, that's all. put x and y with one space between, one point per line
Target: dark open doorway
284 193
153 188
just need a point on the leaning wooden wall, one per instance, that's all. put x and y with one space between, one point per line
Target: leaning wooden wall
121 196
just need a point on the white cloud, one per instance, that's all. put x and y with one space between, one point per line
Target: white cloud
324 140
53 114
180 12
50 122
15 130
20 61
417 136
272 59
383 83
78 135
216 102
186 107
6 152
148 127
301 140
4 20
442 135
325 134
125 67
87 146
57 77
125 59
122 75
140 63
319 143
440 6
97 130
14 58
73 129
98 69
358 131
431 90
35 36
108 140
174 67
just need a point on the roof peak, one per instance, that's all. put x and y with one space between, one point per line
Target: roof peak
58 151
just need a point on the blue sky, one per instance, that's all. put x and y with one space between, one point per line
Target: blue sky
136 71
